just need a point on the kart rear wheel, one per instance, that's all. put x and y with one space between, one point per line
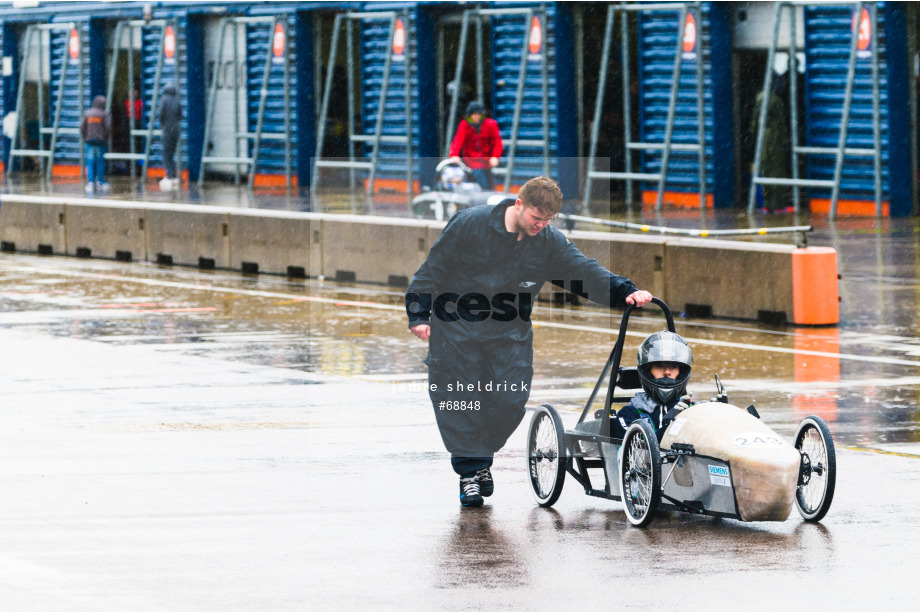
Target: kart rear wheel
640 473
546 455
818 471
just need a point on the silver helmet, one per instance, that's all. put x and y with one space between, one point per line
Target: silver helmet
664 347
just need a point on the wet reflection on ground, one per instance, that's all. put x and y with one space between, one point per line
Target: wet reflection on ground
271 439
862 377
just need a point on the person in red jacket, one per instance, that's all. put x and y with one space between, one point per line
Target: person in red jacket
479 143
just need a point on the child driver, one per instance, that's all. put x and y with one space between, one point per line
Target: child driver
664 362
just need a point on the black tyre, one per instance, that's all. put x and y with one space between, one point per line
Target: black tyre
546 455
818 471
640 473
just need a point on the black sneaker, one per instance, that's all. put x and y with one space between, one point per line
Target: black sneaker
469 492
486 484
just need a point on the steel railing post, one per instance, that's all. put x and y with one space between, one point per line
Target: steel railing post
845 116
764 103
672 108
876 112
212 98
324 108
794 109
157 83
598 106
701 109
458 76
627 106
518 102
410 172
260 117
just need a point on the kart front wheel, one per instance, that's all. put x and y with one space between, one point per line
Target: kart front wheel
818 471
640 473
546 455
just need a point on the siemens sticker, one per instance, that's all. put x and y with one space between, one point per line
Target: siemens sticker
719 476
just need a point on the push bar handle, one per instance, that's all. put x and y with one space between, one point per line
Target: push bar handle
661 305
613 363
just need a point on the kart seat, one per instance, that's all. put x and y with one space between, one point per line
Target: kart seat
628 378
628 383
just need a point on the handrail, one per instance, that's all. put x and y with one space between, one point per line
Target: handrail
693 232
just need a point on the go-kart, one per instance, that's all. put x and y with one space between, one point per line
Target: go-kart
456 190
714 458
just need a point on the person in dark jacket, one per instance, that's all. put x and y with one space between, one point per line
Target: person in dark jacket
664 362
95 129
472 299
170 117
479 142
774 160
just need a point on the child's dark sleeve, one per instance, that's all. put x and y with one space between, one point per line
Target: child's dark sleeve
621 421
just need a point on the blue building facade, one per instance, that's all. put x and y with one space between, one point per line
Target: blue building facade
292 48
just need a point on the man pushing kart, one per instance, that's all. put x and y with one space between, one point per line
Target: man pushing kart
472 299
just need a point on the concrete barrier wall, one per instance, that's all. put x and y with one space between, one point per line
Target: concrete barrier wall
701 277
281 242
638 257
26 226
189 235
106 231
752 281
726 278
379 250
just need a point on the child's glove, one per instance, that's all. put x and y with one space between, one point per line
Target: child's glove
683 404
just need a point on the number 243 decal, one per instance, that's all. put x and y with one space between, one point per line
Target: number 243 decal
757 440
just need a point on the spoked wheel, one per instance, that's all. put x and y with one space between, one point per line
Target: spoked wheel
818 471
640 473
546 456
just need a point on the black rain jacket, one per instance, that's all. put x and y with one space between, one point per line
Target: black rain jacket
477 287
170 112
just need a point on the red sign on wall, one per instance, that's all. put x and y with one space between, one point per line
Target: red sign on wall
399 41
169 45
863 32
73 46
690 38
279 43
535 40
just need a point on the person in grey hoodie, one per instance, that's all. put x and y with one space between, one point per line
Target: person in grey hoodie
170 117
95 128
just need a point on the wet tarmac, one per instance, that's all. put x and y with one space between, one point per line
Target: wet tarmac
178 439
